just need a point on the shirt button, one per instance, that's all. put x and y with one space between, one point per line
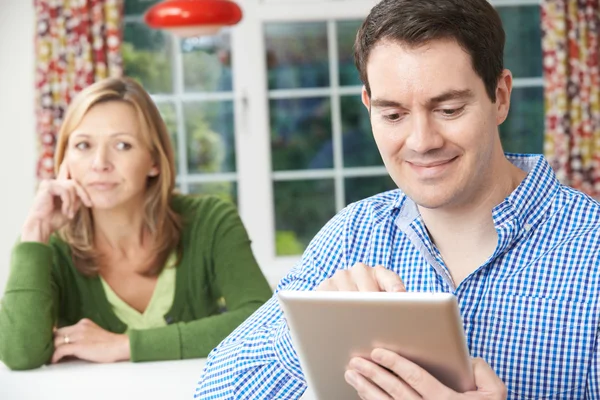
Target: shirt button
527 227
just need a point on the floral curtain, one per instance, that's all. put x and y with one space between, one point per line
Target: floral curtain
571 30
77 43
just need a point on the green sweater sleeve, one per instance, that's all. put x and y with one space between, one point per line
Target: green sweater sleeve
184 340
28 308
234 273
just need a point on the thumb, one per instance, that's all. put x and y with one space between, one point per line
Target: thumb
486 379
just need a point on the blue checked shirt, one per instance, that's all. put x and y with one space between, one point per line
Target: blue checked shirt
531 310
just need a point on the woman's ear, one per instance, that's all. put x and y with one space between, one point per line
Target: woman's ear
153 172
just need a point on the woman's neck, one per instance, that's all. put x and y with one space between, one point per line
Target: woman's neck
120 232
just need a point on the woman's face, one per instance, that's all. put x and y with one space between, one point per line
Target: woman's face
106 155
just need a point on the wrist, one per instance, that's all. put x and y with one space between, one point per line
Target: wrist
125 349
35 231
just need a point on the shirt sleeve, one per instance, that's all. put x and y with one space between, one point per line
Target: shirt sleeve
593 379
258 360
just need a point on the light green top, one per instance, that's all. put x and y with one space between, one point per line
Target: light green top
159 305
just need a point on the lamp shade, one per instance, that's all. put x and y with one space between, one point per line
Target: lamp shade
193 17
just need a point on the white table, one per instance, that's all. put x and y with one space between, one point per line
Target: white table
77 380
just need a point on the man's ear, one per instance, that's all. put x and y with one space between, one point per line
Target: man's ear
366 99
503 91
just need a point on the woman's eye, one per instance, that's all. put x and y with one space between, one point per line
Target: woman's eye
123 146
82 146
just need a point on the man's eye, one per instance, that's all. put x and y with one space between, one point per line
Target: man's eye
452 112
392 117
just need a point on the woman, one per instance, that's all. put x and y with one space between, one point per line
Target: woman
111 264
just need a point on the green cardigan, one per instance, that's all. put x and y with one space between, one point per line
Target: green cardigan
44 289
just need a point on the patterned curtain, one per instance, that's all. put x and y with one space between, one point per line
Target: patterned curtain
77 43
571 30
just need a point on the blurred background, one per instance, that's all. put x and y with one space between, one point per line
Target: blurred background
266 114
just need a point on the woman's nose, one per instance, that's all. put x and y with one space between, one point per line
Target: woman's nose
101 160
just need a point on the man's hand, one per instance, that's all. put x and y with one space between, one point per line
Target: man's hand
87 341
362 278
374 381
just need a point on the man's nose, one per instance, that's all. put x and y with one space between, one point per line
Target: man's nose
423 136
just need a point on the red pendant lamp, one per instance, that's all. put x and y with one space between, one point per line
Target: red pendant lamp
186 18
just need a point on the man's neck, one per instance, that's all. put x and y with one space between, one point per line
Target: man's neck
466 236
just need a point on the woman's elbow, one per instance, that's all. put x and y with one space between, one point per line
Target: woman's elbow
19 358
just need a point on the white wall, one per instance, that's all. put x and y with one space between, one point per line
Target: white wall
17 124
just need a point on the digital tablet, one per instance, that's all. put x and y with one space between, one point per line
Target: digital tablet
329 328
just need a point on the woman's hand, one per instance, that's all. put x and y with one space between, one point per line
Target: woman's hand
87 341
56 202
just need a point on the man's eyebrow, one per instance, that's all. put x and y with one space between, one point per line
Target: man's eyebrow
382 103
450 95
446 96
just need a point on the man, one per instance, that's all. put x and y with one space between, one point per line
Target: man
519 250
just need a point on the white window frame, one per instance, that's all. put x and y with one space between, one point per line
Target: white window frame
254 175
255 184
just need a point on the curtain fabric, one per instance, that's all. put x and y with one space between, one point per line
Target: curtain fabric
572 91
77 42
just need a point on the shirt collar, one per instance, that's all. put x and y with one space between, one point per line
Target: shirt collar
527 203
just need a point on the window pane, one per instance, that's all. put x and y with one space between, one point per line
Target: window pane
366 186
301 209
146 57
225 190
360 149
207 63
137 7
346 31
297 55
210 136
301 133
523 131
523 49
167 111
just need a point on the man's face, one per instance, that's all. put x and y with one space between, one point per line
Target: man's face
434 124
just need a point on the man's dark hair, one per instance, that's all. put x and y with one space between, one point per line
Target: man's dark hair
474 24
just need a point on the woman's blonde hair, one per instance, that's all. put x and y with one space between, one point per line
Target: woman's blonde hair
159 219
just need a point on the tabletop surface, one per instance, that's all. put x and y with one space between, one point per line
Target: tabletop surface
77 380
83 380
